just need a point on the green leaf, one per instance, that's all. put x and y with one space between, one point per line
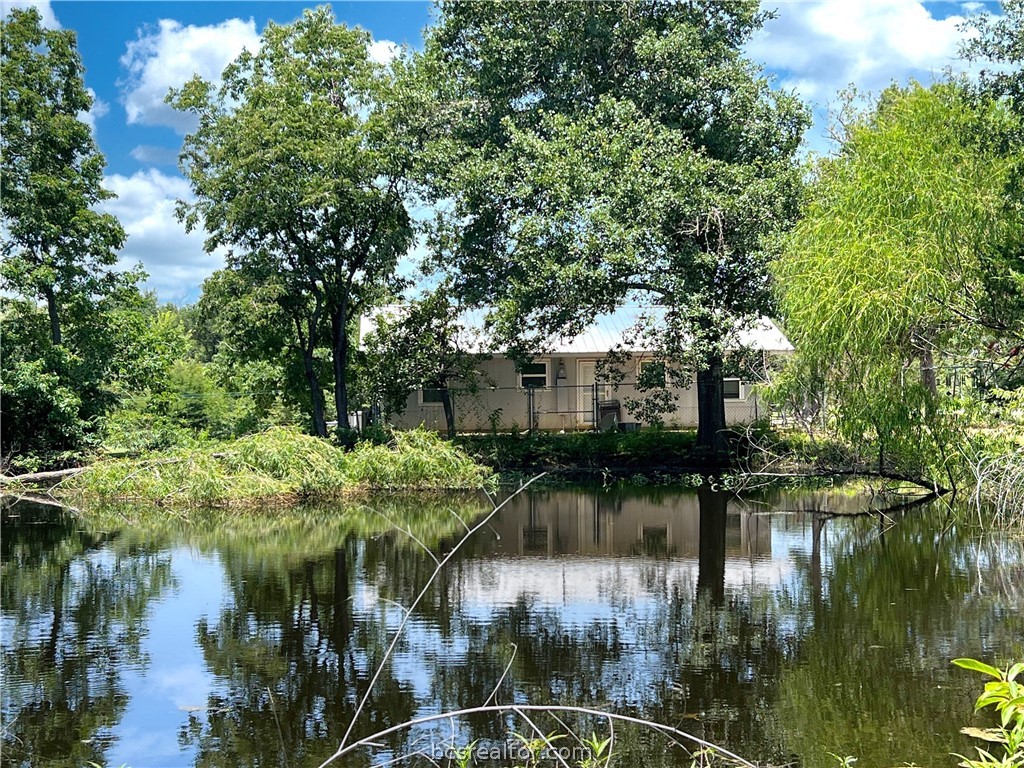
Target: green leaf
978 666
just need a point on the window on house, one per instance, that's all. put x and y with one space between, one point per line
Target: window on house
431 396
731 389
650 373
533 375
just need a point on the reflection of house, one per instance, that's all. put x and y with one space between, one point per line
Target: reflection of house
563 388
561 547
551 523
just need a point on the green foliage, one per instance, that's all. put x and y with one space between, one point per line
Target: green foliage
239 328
56 398
57 248
416 459
615 152
281 463
65 365
600 752
999 40
1006 695
535 747
40 415
423 344
643 449
292 171
879 277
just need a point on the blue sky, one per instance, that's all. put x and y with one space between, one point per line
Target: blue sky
134 51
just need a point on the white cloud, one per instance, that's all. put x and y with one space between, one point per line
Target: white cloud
169 56
174 259
384 51
819 47
150 155
43 6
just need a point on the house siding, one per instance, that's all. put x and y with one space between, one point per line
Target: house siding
565 404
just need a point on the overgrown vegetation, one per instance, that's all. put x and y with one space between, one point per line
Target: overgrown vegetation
649 449
279 464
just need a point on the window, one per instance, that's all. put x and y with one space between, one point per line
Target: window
731 389
533 375
650 373
431 396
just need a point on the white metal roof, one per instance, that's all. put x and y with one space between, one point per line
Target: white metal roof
607 332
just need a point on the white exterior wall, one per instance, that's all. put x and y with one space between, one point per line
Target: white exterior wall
563 405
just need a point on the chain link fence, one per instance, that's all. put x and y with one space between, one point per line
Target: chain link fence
553 408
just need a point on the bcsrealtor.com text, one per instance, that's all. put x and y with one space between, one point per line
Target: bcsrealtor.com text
512 753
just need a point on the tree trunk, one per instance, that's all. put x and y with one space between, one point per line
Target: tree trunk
51 308
339 345
449 410
315 394
928 378
711 407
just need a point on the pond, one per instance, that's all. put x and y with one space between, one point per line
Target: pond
759 624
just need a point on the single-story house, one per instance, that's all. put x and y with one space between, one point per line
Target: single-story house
561 389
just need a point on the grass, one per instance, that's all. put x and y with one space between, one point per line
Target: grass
280 464
414 460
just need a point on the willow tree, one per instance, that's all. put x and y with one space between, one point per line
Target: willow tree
597 154
292 173
999 46
883 281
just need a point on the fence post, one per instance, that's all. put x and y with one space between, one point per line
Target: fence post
529 410
595 407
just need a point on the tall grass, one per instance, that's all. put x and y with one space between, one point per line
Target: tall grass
416 459
998 492
280 464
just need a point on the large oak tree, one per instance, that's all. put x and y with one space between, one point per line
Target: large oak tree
589 155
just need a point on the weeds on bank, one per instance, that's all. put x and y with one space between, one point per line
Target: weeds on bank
415 459
281 463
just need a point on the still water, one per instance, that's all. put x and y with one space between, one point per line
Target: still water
760 624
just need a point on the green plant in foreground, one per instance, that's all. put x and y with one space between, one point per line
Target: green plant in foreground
464 756
600 752
1006 695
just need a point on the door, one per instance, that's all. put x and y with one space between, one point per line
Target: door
586 376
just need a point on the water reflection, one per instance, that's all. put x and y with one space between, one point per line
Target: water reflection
784 637
72 621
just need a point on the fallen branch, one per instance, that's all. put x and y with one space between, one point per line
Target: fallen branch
40 478
929 485
35 498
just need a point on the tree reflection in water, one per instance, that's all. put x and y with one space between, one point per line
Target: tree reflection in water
74 611
781 637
